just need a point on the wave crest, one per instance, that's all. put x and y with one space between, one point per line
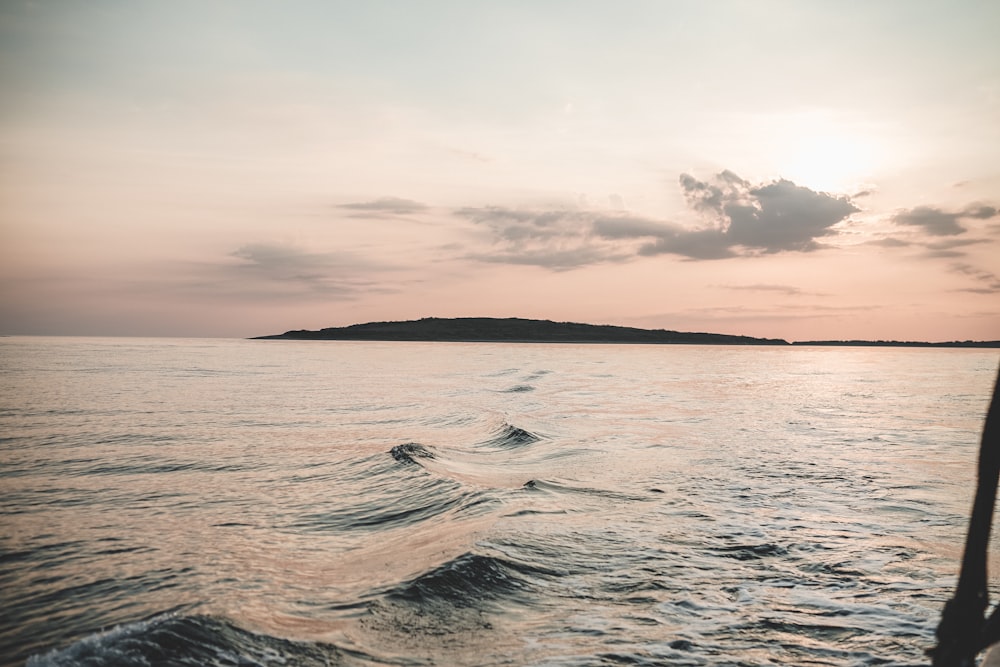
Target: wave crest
195 641
409 452
510 436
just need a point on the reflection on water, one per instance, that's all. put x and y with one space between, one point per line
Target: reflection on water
420 503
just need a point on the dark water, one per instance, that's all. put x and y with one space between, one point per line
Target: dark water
201 502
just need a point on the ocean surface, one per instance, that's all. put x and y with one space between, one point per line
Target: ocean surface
230 502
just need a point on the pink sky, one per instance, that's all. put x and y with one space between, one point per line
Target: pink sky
779 169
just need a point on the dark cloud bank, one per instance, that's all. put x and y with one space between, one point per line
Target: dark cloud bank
740 220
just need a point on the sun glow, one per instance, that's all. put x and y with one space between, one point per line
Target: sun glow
824 153
830 163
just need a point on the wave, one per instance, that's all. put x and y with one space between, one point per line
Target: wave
751 551
559 488
397 495
196 641
468 580
149 465
409 452
455 602
518 389
509 436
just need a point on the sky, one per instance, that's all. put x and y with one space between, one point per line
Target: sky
792 169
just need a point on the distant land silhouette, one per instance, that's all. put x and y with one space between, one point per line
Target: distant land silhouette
519 330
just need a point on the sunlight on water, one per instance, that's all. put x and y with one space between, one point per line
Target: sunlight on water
477 504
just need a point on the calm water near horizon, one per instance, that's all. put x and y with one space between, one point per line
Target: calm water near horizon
224 502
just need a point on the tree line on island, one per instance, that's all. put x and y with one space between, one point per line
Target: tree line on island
520 330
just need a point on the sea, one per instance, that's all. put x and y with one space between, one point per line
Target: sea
246 502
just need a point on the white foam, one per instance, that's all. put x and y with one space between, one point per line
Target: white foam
97 648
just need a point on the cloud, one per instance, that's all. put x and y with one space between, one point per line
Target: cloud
743 220
568 238
281 259
937 222
712 197
981 212
558 239
787 290
953 243
931 220
519 225
632 227
989 283
942 232
285 269
890 242
777 217
386 206
947 248
691 244
555 259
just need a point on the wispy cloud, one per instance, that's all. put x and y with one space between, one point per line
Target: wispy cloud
268 268
949 247
558 239
787 290
988 283
942 234
937 222
518 225
555 259
385 206
890 242
631 227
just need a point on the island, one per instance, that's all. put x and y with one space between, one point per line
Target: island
521 330
513 330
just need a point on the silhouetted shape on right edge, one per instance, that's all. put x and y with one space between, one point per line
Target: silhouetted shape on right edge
964 631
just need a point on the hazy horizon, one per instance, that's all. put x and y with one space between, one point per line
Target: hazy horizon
805 171
277 332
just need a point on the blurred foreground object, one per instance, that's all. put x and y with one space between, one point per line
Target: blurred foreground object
964 630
